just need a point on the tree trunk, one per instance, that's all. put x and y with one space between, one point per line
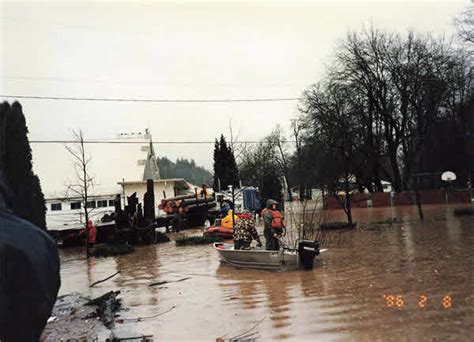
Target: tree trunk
347 196
397 179
348 208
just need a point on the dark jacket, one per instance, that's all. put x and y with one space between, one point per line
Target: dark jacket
29 275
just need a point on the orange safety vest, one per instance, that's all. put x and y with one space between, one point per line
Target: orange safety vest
277 218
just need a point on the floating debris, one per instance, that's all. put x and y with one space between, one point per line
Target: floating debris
140 319
142 338
101 281
107 306
169 281
69 323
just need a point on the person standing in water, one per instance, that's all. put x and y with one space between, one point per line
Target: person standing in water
273 225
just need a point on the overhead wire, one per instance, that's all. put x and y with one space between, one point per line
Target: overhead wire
149 100
140 142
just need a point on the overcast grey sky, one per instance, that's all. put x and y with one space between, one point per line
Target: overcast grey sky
185 50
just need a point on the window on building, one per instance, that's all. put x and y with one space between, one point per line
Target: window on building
90 204
111 203
56 206
102 203
75 205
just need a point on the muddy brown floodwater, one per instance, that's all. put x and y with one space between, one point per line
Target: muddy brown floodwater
410 280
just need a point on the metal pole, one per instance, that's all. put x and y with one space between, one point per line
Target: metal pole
233 207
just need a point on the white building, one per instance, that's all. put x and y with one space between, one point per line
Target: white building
68 213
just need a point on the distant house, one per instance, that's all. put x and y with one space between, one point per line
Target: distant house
68 212
163 188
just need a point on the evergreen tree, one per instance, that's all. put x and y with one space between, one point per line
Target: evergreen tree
225 166
28 200
217 165
184 168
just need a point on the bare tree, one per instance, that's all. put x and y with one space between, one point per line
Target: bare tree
304 219
237 148
465 25
277 140
297 127
83 183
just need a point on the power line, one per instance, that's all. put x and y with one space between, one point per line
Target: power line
140 142
97 99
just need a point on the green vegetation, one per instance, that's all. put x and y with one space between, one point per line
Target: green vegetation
112 250
260 167
390 220
184 168
225 167
337 225
463 212
196 240
15 154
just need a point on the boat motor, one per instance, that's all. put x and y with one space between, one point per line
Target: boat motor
307 251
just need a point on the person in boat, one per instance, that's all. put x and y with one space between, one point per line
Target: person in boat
273 225
225 207
245 232
227 221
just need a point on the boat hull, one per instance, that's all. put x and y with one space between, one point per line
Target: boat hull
257 258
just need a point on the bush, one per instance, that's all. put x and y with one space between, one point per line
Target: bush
337 225
196 240
463 212
112 250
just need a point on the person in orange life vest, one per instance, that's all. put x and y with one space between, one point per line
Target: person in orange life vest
273 225
91 232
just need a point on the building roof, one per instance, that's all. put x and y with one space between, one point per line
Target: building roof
155 181
151 170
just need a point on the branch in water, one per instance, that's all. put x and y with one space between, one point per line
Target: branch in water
101 281
139 319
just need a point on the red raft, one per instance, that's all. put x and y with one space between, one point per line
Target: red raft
222 232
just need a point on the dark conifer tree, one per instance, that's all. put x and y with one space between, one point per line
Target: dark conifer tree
217 165
233 171
225 166
28 198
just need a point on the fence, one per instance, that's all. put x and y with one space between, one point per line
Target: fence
386 199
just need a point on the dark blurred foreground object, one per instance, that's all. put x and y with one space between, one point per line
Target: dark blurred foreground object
29 270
